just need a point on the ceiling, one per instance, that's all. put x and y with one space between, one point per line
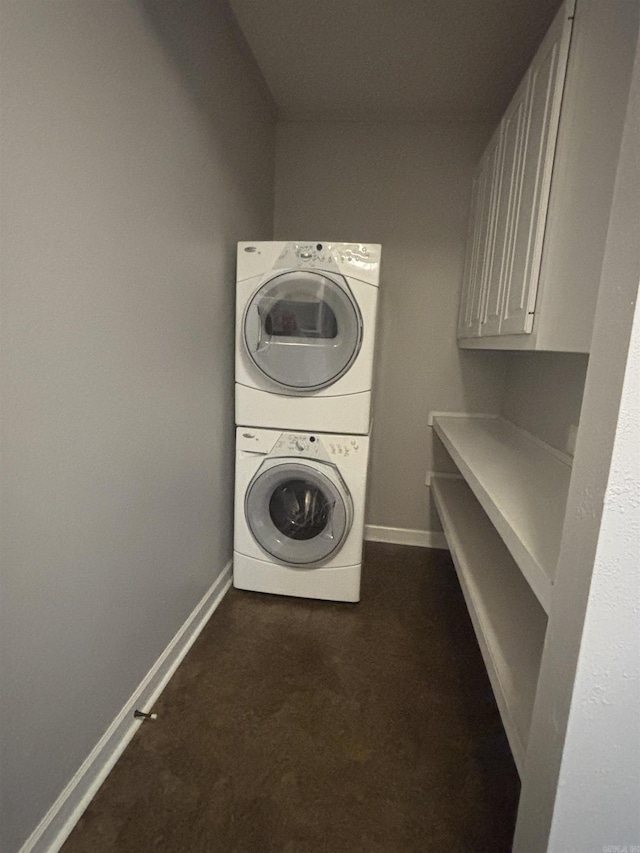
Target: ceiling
397 60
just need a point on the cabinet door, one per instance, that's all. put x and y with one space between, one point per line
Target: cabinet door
533 177
507 210
466 326
481 241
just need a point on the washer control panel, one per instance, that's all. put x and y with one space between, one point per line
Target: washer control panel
327 447
299 444
342 448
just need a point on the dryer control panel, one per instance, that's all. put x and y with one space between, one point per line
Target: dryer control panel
329 256
308 255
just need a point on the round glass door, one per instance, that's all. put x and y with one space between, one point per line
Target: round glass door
298 514
303 330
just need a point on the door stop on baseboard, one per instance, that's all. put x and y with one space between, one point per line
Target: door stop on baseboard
142 716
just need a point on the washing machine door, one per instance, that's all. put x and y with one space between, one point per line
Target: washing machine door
299 513
303 330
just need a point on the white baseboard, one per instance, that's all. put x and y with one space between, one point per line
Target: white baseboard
56 825
404 536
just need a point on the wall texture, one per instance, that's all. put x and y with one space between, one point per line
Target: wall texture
406 186
137 148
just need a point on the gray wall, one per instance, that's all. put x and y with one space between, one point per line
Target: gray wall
543 393
408 187
131 164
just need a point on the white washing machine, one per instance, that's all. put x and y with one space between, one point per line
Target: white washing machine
305 333
299 513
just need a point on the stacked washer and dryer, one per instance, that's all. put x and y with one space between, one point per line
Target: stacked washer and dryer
305 334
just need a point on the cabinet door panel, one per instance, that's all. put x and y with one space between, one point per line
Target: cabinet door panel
466 327
491 170
494 239
507 210
546 79
481 242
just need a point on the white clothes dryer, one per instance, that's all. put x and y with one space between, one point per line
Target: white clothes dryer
305 334
299 513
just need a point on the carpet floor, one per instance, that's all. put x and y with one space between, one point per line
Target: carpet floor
297 726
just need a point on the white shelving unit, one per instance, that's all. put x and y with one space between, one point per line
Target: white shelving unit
503 522
521 484
508 620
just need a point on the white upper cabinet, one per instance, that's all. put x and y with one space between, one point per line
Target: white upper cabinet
545 83
544 188
510 210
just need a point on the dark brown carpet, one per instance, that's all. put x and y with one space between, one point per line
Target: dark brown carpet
300 726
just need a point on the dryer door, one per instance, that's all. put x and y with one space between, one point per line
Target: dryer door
303 330
298 513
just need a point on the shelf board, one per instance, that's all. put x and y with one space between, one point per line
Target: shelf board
509 621
521 484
